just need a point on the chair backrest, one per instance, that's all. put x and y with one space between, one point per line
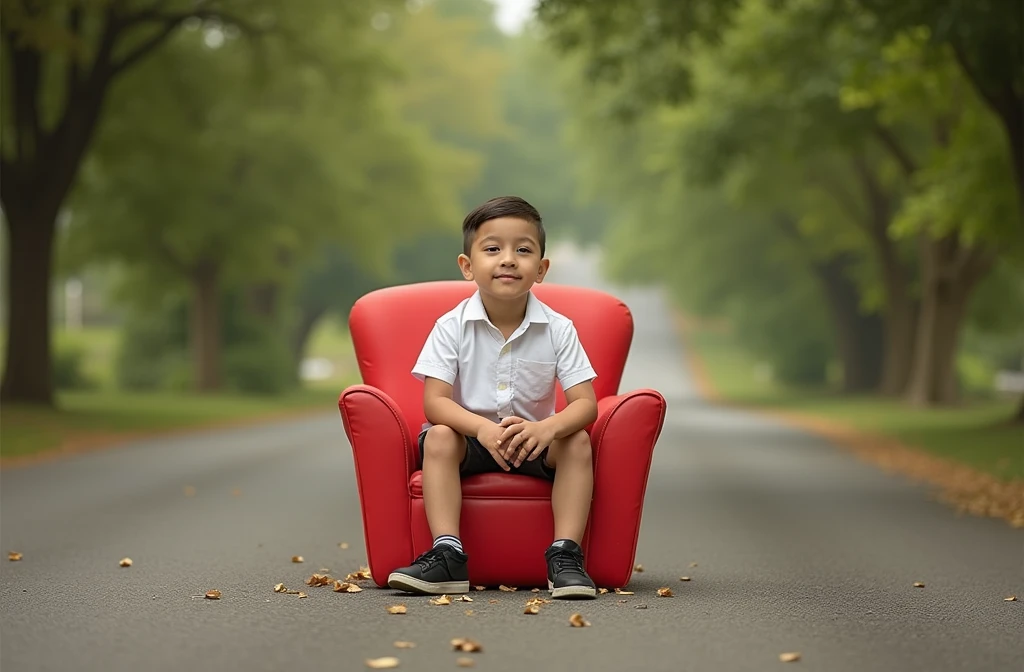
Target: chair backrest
390 325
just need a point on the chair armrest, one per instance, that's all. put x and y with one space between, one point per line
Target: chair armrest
623 438
385 458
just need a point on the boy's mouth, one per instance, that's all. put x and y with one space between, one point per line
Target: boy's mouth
507 276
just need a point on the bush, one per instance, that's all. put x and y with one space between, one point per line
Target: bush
152 353
262 364
69 369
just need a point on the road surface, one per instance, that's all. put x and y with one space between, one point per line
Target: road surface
798 548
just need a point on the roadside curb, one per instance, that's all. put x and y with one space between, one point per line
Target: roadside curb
965 489
87 443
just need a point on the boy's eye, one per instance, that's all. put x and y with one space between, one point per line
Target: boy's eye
525 250
491 248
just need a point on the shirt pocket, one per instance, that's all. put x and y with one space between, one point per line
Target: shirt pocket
534 381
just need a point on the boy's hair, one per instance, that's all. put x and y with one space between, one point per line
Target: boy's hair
502 206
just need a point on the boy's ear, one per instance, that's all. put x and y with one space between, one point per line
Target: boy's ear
542 269
466 267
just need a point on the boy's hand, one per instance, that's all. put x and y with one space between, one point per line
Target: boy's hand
490 437
524 440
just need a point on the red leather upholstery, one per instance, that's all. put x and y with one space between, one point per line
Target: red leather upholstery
506 520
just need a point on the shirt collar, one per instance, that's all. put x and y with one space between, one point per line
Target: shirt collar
475 310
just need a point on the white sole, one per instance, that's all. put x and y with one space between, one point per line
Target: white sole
571 592
413 585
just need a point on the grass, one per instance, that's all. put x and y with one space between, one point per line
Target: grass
976 433
106 415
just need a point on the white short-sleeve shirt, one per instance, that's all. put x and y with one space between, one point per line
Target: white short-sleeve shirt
495 378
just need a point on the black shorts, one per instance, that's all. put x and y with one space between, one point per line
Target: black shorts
479 461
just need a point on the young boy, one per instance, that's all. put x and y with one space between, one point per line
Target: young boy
489 368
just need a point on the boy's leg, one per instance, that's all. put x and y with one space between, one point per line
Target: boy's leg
571 496
442 569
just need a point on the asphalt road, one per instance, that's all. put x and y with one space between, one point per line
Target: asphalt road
799 548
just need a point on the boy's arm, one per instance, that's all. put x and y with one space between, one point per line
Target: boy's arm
580 411
441 409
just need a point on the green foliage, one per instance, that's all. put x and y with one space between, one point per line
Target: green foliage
153 351
69 369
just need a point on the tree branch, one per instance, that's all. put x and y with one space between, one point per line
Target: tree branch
26 69
897 150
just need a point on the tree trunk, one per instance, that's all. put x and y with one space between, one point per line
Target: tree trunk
950 272
28 367
858 335
205 332
304 329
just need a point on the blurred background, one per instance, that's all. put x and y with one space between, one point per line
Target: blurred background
195 192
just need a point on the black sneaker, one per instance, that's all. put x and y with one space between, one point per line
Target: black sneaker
566 576
439 571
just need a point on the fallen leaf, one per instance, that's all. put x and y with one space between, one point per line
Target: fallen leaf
684 578
469 612
319 580
640 606
405 645
638 568
493 601
463 598
125 562
362 574
693 564
292 592
535 590
789 657
465 662
467 645
577 621
279 588
325 570
382 663
537 601
1011 598
622 601
479 587
343 545
345 587
441 601
236 492
620 591
602 591
189 491
298 558
397 609
302 595
532 609
918 584
508 589
13 556
665 592
212 595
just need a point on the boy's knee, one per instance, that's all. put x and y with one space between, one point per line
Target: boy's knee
442 442
578 446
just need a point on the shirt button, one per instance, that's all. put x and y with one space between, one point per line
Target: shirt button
502 386
506 349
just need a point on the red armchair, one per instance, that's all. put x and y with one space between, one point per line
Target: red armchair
506 519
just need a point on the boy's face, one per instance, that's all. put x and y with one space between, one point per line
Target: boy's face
505 260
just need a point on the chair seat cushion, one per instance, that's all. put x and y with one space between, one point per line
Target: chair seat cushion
493 486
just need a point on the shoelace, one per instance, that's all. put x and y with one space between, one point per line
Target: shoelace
430 558
566 560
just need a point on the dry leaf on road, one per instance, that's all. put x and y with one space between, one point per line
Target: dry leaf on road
537 601
531 609
665 592
236 492
212 594
602 591
640 606
345 587
693 564
405 645
343 545
125 562
918 584
638 568
467 645
279 588
319 580
620 591
1011 598
397 609
302 595
298 558
463 598
13 556
362 574
465 662
469 612
493 601
535 590
189 491
577 621
508 589
791 657
441 601
684 578
382 663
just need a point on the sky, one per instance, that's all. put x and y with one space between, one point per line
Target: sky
512 14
